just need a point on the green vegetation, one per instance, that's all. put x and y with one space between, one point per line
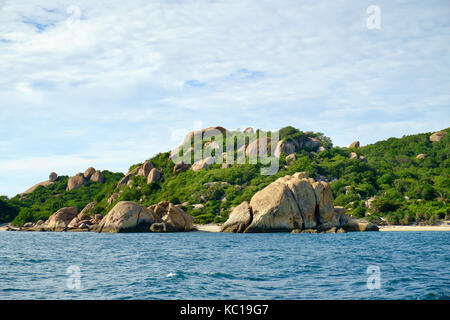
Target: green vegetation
392 186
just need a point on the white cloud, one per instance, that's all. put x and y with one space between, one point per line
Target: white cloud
142 72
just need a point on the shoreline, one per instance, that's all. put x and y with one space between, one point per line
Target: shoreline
213 227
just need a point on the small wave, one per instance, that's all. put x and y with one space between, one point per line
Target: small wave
170 275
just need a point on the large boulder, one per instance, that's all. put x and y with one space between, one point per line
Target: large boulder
202 164
286 147
84 214
359 225
180 167
291 158
306 200
354 144
60 220
274 209
127 216
291 202
437 136
154 175
257 146
97 176
75 182
89 172
33 188
52 177
421 156
176 219
145 169
239 218
313 143
324 201
201 133
124 180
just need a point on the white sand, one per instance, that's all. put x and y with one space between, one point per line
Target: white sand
442 227
211 227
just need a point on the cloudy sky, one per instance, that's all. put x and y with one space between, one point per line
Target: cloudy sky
112 83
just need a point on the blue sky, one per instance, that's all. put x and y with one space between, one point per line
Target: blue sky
128 79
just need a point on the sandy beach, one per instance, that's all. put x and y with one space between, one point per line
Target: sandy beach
211 227
442 227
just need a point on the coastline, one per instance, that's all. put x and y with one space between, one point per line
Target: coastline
213 227
442 227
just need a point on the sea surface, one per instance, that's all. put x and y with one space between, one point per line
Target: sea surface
201 265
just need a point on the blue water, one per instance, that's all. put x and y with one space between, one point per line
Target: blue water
199 265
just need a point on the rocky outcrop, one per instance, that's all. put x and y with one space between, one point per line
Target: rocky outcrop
354 144
180 167
274 209
240 217
291 159
153 176
202 164
89 172
421 156
324 202
290 203
200 134
75 182
174 217
437 136
97 176
359 225
127 216
292 145
80 179
145 169
41 184
52 177
353 155
257 146
60 220
84 214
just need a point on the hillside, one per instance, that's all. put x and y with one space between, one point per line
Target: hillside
384 181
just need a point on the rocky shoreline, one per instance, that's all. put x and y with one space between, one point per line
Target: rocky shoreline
296 204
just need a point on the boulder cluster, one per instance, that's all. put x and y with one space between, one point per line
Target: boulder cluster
125 216
67 219
146 170
293 203
80 179
128 216
51 179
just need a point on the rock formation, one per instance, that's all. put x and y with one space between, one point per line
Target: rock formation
128 216
240 217
421 156
202 164
75 182
354 144
291 203
59 221
97 176
180 167
53 176
437 136
154 175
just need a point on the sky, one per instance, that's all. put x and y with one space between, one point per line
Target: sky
112 83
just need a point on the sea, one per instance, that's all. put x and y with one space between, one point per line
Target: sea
203 265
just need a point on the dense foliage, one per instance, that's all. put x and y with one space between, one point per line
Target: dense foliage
392 186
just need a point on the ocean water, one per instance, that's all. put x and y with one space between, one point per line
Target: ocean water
200 265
